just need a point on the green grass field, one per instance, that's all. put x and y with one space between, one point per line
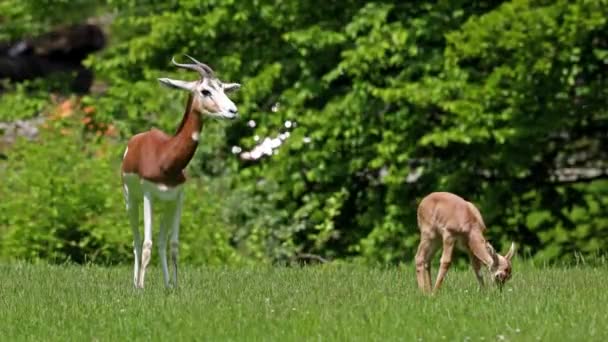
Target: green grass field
331 302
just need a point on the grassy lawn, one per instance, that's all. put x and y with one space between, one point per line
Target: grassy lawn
332 302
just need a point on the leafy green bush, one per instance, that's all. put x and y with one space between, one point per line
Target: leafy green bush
22 103
55 191
62 200
392 100
384 102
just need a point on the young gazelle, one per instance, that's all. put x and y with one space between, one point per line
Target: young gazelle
447 219
154 162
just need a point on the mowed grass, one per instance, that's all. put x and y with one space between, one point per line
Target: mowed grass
325 303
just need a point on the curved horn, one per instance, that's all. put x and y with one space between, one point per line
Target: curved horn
202 65
202 71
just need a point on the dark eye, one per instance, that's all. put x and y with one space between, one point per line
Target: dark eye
205 92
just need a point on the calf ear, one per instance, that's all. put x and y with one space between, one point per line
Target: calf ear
492 252
511 252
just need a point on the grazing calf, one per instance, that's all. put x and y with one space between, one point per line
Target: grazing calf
447 219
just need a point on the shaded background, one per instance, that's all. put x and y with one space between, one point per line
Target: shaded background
351 112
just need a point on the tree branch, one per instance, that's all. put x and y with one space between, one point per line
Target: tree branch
311 257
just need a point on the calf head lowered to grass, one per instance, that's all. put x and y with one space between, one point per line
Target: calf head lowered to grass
447 219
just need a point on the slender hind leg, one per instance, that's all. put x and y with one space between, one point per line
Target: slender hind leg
446 261
165 225
133 213
176 215
426 250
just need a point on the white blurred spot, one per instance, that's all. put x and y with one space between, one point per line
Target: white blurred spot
251 123
268 147
275 107
288 124
413 176
274 143
256 138
236 149
384 173
306 140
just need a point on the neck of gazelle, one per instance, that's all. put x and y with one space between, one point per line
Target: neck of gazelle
477 245
180 149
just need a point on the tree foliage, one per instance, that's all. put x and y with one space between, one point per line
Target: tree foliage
376 105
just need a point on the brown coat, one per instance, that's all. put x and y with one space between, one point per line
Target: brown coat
160 158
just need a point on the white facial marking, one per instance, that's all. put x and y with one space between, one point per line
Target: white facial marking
211 95
213 90
195 136
125 154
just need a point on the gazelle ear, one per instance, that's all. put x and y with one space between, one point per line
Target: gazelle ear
230 87
189 86
511 252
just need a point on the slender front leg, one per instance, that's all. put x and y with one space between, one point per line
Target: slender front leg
445 262
476 265
133 213
165 223
477 246
425 252
147 247
175 234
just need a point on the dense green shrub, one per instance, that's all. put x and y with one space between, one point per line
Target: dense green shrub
502 102
62 200
55 193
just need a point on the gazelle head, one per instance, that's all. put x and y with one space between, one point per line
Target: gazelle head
501 267
208 93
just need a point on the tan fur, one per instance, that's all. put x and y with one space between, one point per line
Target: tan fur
447 220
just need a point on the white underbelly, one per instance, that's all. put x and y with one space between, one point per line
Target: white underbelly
137 187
